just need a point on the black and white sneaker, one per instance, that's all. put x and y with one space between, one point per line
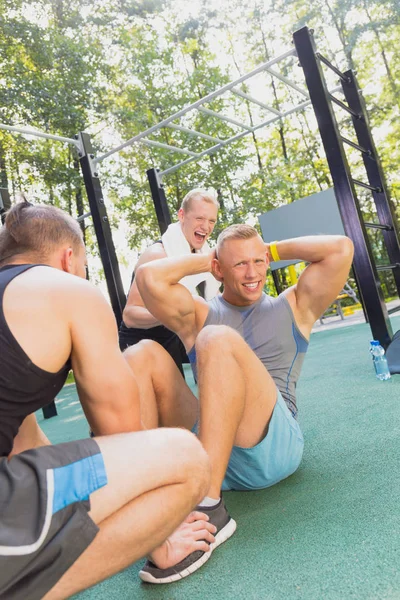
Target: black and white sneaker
226 527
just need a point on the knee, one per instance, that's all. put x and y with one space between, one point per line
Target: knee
144 354
194 462
216 336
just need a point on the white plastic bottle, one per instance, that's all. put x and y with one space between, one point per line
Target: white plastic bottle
380 363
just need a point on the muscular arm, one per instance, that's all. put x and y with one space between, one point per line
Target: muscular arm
106 385
135 313
330 258
168 300
29 436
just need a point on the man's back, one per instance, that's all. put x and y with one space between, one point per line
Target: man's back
34 347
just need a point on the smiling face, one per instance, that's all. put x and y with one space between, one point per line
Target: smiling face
242 266
198 221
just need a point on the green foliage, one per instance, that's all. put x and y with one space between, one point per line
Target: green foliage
116 69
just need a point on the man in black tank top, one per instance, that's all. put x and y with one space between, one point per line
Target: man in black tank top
197 216
138 486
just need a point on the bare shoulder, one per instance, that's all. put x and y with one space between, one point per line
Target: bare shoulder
67 294
153 252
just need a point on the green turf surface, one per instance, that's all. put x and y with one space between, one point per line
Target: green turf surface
329 532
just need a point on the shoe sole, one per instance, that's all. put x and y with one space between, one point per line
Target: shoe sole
221 537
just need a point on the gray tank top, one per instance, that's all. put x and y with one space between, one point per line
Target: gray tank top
269 328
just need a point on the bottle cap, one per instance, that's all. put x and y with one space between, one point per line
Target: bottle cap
374 343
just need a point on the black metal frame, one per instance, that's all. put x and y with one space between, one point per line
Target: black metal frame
5 202
375 175
102 227
364 266
159 199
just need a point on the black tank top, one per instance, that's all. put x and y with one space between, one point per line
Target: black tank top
24 387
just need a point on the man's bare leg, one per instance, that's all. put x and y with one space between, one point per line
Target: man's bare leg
237 394
237 397
165 398
154 479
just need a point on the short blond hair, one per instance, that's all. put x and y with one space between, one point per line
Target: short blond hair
236 232
206 195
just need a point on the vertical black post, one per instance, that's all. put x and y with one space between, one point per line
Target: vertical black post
374 171
50 410
363 263
102 227
277 284
159 199
5 202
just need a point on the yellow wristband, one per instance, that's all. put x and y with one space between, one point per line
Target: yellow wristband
274 251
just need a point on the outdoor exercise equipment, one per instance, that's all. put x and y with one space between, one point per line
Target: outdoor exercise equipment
317 94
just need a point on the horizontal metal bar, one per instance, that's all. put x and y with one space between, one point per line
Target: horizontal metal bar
218 115
367 186
288 82
237 137
168 147
255 101
213 149
378 226
344 106
193 132
356 146
204 100
331 66
83 217
387 267
394 309
38 134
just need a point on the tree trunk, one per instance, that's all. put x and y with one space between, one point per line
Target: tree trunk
253 134
3 168
389 73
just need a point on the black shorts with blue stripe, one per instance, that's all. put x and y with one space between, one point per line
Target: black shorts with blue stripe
44 521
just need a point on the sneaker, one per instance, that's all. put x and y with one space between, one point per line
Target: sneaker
225 528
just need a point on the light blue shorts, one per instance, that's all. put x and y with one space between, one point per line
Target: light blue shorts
276 457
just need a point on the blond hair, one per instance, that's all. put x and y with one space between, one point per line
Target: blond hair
235 232
206 195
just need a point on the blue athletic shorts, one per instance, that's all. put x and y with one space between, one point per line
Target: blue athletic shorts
276 457
44 521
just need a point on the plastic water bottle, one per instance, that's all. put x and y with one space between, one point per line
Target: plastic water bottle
380 363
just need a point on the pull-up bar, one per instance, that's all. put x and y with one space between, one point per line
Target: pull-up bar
39 134
196 104
288 112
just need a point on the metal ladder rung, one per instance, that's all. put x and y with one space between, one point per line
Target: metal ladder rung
357 146
387 267
379 226
331 66
83 217
367 186
344 106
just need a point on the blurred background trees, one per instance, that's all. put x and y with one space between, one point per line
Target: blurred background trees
115 68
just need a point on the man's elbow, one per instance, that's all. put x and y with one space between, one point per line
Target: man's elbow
346 248
128 316
143 278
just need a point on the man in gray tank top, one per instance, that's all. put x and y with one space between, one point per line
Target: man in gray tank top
246 349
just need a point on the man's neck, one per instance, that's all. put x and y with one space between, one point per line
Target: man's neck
239 304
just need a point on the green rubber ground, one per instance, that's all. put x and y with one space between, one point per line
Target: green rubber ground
329 532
